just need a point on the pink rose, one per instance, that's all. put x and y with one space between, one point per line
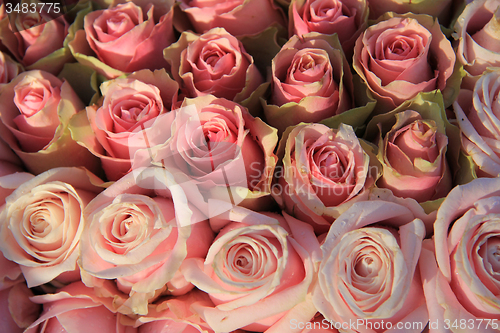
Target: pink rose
214 63
477 34
41 224
219 151
34 36
238 17
74 308
322 169
477 113
403 56
369 272
128 109
257 271
311 81
136 239
413 156
17 312
36 110
346 18
126 38
459 268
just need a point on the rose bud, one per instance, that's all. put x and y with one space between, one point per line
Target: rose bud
136 239
239 17
346 18
125 38
73 307
459 267
41 224
369 273
256 263
413 149
214 63
311 81
477 116
478 39
130 108
322 169
36 109
404 55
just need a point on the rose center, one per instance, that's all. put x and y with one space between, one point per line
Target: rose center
33 101
119 24
418 140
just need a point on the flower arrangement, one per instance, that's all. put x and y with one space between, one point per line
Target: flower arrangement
267 166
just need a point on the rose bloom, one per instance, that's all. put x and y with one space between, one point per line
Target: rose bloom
322 169
477 33
125 114
214 63
238 17
477 116
461 281
311 81
217 147
403 56
36 109
413 157
258 270
369 269
136 238
127 37
42 221
346 18
17 312
73 308
34 37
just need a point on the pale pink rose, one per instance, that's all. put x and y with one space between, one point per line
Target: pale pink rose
36 110
17 312
311 81
413 157
41 224
75 308
461 280
126 112
218 146
346 18
258 270
369 272
128 37
35 35
322 169
136 239
477 34
477 113
9 69
238 17
403 56
214 63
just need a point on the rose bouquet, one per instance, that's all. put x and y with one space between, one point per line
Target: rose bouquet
266 166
